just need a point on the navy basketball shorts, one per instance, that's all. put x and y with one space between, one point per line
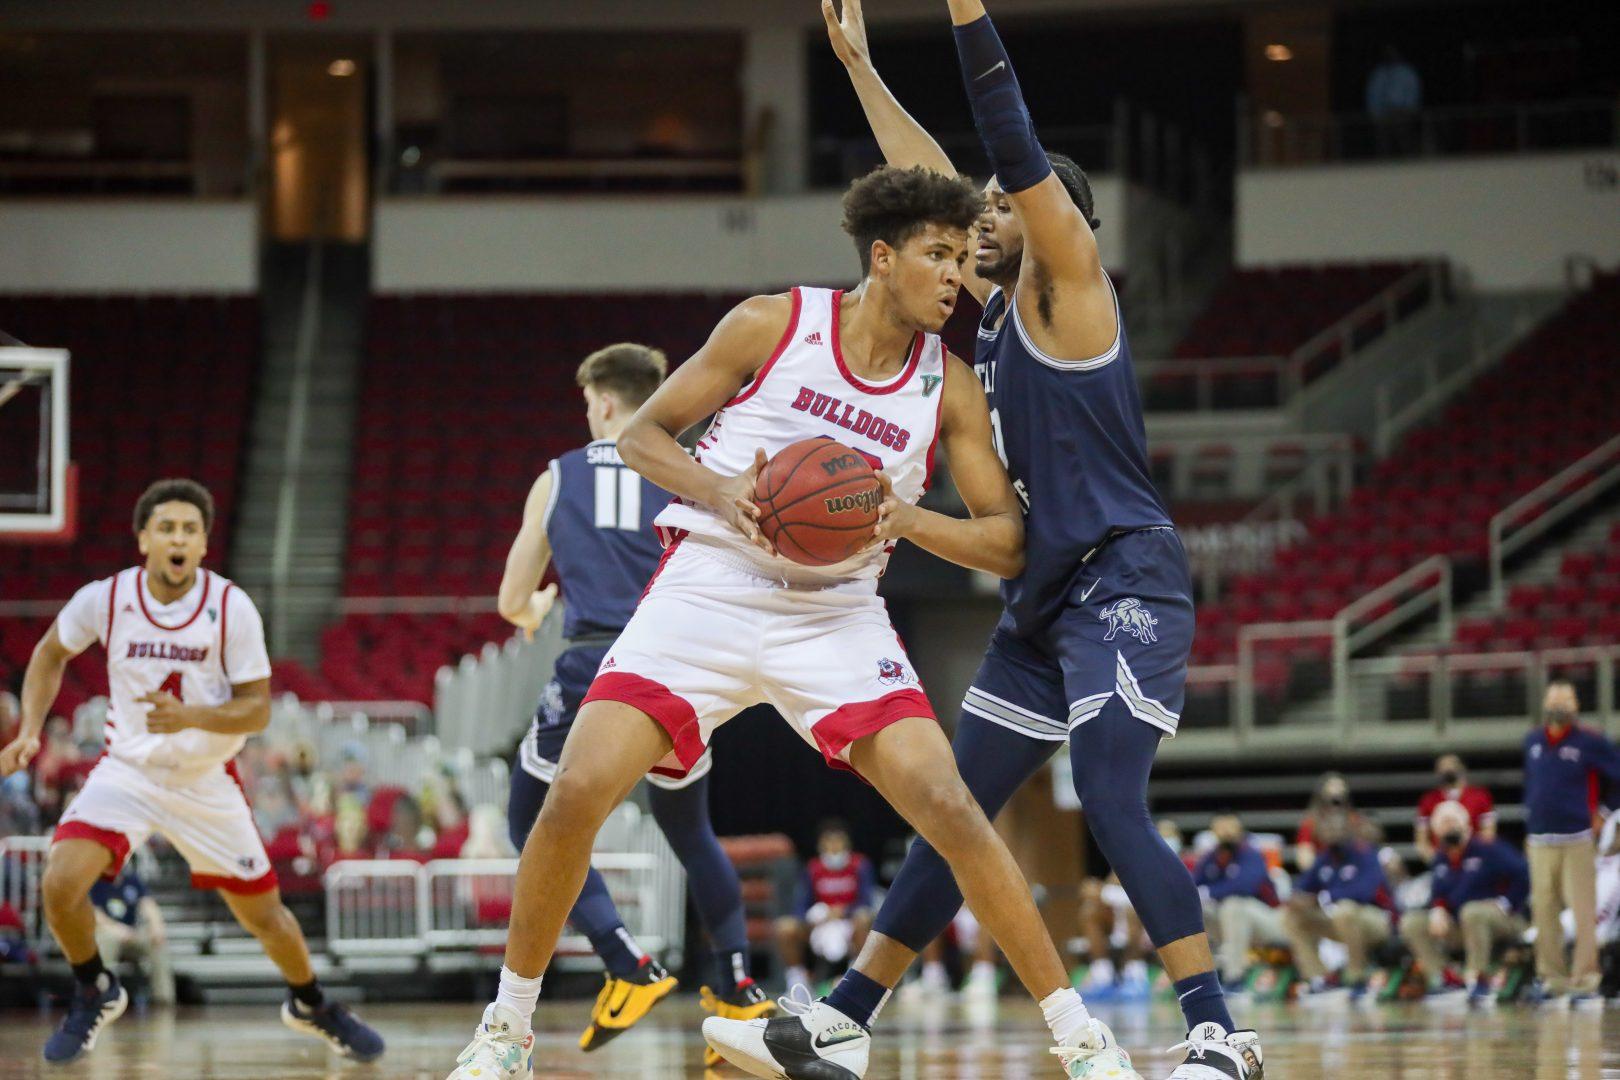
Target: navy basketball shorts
541 748
1126 632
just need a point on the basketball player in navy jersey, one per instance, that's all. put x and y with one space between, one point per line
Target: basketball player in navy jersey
1094 641
593 517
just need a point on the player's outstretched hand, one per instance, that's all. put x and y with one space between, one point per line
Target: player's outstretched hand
168 713
737 505
894 516
17 754
848 33
534 613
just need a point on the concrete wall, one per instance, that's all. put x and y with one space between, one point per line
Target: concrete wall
723 244
1506 223
128 245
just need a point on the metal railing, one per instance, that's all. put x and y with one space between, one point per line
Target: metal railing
393 908
1275 139
1269 382
485 700
22 868
1396 603
292 463
1538 511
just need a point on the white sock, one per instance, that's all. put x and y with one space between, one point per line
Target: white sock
518 994
1066 1015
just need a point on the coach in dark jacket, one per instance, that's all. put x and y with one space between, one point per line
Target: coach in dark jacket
1564 766
1239 897
1344 897
1477 900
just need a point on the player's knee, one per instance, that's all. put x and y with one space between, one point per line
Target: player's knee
1119 824
67 879
948 815
576 802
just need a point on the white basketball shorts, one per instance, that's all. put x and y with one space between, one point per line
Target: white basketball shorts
208 822
712 638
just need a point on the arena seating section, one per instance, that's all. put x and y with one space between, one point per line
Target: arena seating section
1274 310
160 387
464 400
1546 405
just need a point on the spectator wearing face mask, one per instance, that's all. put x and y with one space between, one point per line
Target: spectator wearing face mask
1343 897
1238 892
1332 796
1565 766
1451 785
1479 887
833 910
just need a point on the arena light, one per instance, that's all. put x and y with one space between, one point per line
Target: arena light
341 69
1279 52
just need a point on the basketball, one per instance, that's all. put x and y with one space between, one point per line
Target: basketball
818 501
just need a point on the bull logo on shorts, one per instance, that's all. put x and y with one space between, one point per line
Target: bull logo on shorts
551 703
892 671
1130 616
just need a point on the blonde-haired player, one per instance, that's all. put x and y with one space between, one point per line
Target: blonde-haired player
190 681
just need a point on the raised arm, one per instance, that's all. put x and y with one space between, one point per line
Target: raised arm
904 142
1061 282
728 361
993 538
520 602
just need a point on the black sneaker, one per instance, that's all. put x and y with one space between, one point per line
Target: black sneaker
89 1011
343 1031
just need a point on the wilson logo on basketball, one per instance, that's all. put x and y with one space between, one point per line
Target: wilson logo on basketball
864 501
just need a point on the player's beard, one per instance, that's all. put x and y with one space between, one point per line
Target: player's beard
1001 271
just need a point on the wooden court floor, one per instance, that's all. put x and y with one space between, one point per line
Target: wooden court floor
941 1041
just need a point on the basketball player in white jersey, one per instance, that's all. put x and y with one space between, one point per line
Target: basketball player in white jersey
190 681
727 623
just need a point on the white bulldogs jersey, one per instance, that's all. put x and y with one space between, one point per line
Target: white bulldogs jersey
806 390
196 648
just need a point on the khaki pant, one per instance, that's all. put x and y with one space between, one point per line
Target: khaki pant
1359 927
1242 922
138 950
1565 875
1476 930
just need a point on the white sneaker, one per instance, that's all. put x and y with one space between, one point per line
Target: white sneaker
503 1049
981 984
1213 1054
810 1041
1099 1058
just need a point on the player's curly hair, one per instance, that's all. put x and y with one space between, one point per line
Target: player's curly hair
893 205
1078 185
630 371
174 489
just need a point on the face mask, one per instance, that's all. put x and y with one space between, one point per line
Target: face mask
1228 846
1560 717
1450 779
1453 839
836 861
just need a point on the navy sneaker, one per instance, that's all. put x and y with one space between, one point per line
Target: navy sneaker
89 1011
342 1030
1482 995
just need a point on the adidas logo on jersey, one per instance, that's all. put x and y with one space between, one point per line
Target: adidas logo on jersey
813 338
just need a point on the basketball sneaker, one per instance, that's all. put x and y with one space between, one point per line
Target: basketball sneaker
748 1002
342 1030
623 1002
502 1049
1098 1058
89 1010
1215 1054
812 1041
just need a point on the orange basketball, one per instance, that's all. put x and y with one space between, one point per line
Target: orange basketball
819 502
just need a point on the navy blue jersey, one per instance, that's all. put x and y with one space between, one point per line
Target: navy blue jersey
599 522
1072 437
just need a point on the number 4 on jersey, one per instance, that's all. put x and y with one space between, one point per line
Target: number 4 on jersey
172 685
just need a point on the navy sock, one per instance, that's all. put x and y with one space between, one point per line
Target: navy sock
1202 1001
858 997
730 970
89 973
613 946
